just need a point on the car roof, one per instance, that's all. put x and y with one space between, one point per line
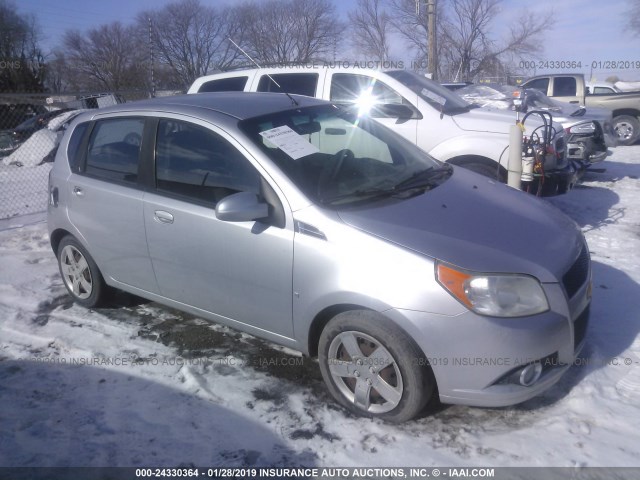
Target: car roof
240 105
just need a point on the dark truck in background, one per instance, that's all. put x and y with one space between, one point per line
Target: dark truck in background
572 88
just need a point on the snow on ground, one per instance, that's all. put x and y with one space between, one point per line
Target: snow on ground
23 190
140 384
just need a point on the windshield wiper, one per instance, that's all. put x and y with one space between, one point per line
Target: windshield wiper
362 193
413 185
422 178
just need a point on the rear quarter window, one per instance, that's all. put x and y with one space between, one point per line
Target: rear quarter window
231 84
74 152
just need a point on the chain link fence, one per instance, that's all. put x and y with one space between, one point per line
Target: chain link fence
31 126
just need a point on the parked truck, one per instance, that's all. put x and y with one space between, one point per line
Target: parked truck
571 88
423 111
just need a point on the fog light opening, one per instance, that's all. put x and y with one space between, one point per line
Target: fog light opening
530 374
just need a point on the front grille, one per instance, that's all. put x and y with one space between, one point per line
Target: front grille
580 328
577 275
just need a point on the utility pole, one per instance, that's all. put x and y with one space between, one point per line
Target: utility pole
432 59
431 34
153 82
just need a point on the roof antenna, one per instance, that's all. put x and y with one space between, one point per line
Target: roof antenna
257 65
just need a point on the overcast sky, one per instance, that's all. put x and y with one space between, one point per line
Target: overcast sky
587 31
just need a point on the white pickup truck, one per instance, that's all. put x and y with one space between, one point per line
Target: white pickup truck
423 111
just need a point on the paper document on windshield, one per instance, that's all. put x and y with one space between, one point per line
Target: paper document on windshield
294 145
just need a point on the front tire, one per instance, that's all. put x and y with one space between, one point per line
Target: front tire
80 274
627 129
373 368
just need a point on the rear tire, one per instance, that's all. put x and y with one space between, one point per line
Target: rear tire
627 129
80 274
373 368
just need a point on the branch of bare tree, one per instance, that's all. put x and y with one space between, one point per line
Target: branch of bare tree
370 29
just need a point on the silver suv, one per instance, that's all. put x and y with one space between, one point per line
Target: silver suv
298 222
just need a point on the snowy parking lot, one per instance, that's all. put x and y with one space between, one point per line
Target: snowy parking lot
140 384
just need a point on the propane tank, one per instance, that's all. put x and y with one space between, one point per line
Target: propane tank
527 169
515 156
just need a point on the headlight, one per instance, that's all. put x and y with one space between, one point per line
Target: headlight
496 295
582 128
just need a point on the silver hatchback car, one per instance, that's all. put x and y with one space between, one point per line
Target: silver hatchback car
315 228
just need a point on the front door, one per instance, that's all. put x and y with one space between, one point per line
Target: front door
241 271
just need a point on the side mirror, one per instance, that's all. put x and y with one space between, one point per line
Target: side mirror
392 110
241 207
520 101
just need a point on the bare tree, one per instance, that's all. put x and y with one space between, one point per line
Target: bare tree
371 27
464 30
107 57
632 16
465 47
413 26
24 67
193 38
57 79
285 31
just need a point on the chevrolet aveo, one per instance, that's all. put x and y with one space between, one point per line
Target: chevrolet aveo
314 228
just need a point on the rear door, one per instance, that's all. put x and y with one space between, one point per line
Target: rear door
106 200
565 88
241 271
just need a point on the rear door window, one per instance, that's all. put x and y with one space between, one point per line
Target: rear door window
564 87
295 83
114 149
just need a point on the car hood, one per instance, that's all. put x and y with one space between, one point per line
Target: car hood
485 120
571 117
477 224
488 119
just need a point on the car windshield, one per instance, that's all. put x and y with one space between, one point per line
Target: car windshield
28 124
537 99
432 92
337 158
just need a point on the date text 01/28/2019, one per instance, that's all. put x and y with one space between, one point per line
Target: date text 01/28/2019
572 64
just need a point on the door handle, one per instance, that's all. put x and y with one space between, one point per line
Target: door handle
574 101
78 192
163 217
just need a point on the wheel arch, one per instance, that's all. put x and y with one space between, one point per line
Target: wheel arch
320 321
462 160
625 111
56 237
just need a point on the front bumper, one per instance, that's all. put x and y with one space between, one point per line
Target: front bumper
473 357
587 151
